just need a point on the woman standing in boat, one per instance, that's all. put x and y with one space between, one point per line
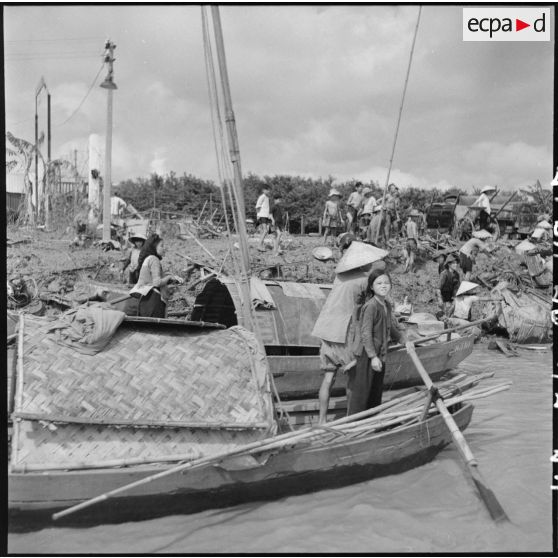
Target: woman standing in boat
151 292
366 382
337 324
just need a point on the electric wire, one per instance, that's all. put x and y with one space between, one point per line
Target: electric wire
84 98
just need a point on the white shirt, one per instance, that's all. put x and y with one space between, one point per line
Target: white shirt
262 207
483 201
116 204
369 205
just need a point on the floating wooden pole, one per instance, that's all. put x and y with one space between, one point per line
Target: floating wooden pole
494 508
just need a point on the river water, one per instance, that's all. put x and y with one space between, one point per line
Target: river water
432 508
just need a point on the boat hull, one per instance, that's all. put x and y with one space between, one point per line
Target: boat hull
300 376
33 497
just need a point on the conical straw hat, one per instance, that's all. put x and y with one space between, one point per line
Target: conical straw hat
322 253
359 254
465 287
482 234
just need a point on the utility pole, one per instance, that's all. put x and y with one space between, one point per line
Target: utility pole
76 180
110 86
41 85
48 173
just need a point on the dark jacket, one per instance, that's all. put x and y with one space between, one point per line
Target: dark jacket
377 327
449 282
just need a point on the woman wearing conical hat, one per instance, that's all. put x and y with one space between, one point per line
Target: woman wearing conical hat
336 325
332 218
467 294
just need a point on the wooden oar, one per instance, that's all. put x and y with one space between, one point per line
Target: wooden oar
494 508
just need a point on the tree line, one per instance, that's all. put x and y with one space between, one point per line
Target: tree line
303 198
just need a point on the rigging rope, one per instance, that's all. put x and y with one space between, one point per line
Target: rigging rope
399 120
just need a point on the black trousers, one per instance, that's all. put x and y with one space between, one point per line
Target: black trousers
150 306
483 218
364 386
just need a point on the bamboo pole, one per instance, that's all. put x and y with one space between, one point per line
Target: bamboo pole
274 442
494 508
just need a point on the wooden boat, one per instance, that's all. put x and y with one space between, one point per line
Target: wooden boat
292 352
34 496
52 425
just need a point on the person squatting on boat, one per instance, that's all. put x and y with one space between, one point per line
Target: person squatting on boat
337 324
365 382
151 292
465 297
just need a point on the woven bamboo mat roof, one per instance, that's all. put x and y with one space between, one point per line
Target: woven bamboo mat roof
147 377
44 444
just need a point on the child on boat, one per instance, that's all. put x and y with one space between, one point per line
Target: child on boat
337 324
332 218
132 258
377 326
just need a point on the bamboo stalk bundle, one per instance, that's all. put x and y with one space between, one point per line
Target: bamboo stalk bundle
323 435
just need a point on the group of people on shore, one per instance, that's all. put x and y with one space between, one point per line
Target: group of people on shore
372 220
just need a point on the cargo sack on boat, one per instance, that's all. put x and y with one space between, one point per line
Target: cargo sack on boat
525 317
152 393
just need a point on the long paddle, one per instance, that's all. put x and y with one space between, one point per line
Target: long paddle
494 508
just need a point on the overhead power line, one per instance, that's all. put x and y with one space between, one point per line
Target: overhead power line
83 100
88 39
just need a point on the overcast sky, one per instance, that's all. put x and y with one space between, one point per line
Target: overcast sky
316 92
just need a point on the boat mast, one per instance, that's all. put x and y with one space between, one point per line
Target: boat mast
237 182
